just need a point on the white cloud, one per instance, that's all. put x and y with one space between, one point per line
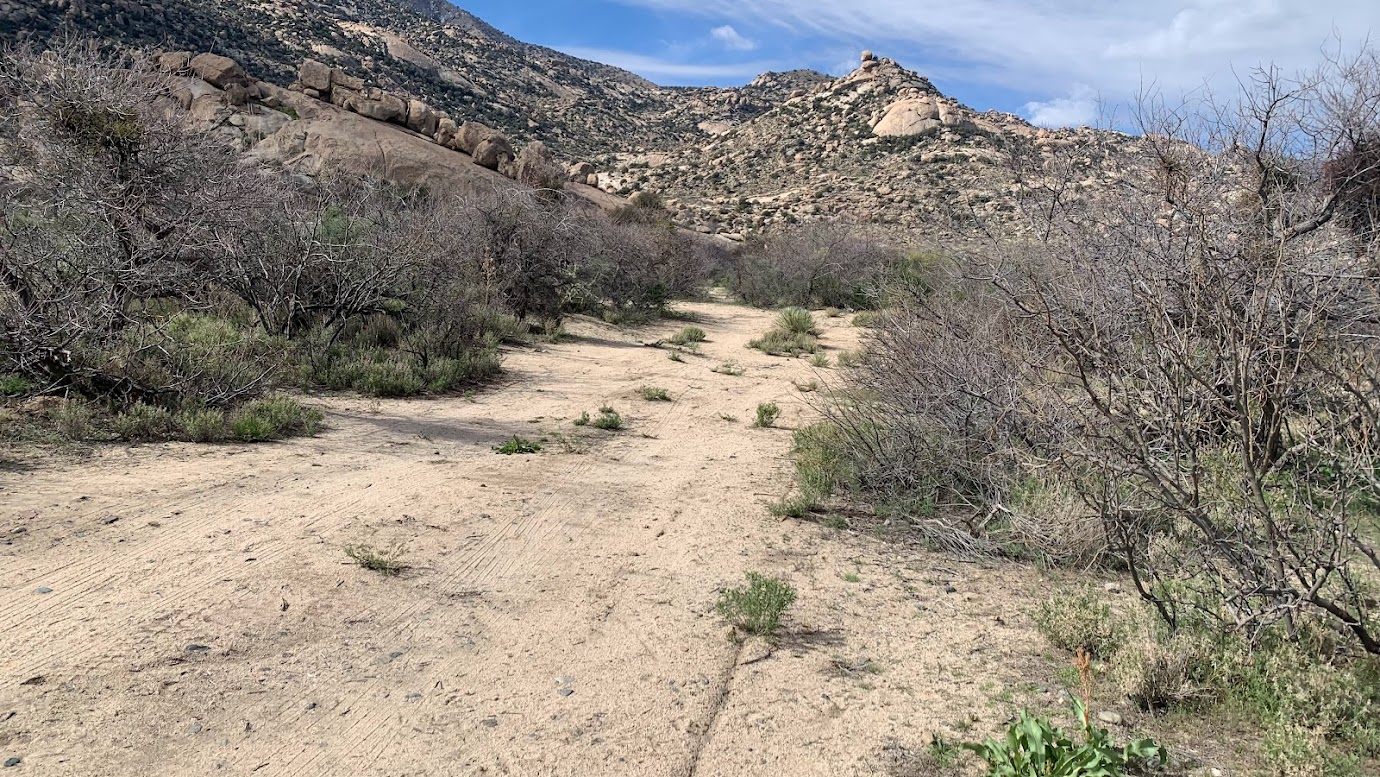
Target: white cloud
658 69
1045 48
1078 109
730 38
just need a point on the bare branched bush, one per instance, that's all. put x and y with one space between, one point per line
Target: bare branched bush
1215 327
112 203
822 264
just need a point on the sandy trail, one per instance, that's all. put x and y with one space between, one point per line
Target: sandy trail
182 610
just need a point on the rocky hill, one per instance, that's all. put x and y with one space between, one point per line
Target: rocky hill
880 145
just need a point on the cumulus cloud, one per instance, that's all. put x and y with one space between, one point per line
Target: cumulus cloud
1045 48
730 38
1078 109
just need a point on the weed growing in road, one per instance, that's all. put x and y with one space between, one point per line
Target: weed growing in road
796 321
608 420
385 561
756 608
653 394
690 335
583 420
820 360
675 356
729 368
767 413
517 445
795 507
729 418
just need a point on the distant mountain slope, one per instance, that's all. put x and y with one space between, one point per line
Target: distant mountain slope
427 48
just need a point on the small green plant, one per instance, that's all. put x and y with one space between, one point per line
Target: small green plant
849 359
1033 747
729 417
756 608
795 507
14 386
675 356
583 420
820 360
653 394
767 413
516 446
690 335
852 577
608 420
867 318
385 561
729 368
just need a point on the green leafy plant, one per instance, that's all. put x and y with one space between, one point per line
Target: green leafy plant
756 608
1033 747
583 420
1080 621
517 445
653 394
767 413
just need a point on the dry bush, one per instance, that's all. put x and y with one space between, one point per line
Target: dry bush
821 264
113 204
536 167
1216 321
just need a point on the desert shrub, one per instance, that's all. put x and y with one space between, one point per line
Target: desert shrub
608 419
1158 672
1080 621
767 413
822 264
202 425
653 394
516 446
796 321
273 418
756 608
690 335
386 561
143 423
15 386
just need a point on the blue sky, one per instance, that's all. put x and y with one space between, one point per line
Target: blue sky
1053 61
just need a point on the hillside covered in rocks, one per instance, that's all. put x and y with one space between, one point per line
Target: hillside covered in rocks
881 145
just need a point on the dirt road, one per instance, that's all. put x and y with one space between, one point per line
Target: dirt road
188 610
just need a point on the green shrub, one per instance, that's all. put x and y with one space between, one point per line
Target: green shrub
14 386
608 420
1073 621
274 418
820 360
653 394
822 464
689 336
1033 747
757 607
74 420
583 420
767 413
796 321
202 425
729 368
781 343
517 445
143 423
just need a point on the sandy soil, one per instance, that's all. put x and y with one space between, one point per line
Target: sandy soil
187 610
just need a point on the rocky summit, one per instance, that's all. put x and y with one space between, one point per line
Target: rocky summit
881 145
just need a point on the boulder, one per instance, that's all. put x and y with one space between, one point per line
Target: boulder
493 152
870 65
445 131
176 62
469 136
592 180
314 75
219 71
339 78
343 97
421 118
581 172
386 107
909 117
868 56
